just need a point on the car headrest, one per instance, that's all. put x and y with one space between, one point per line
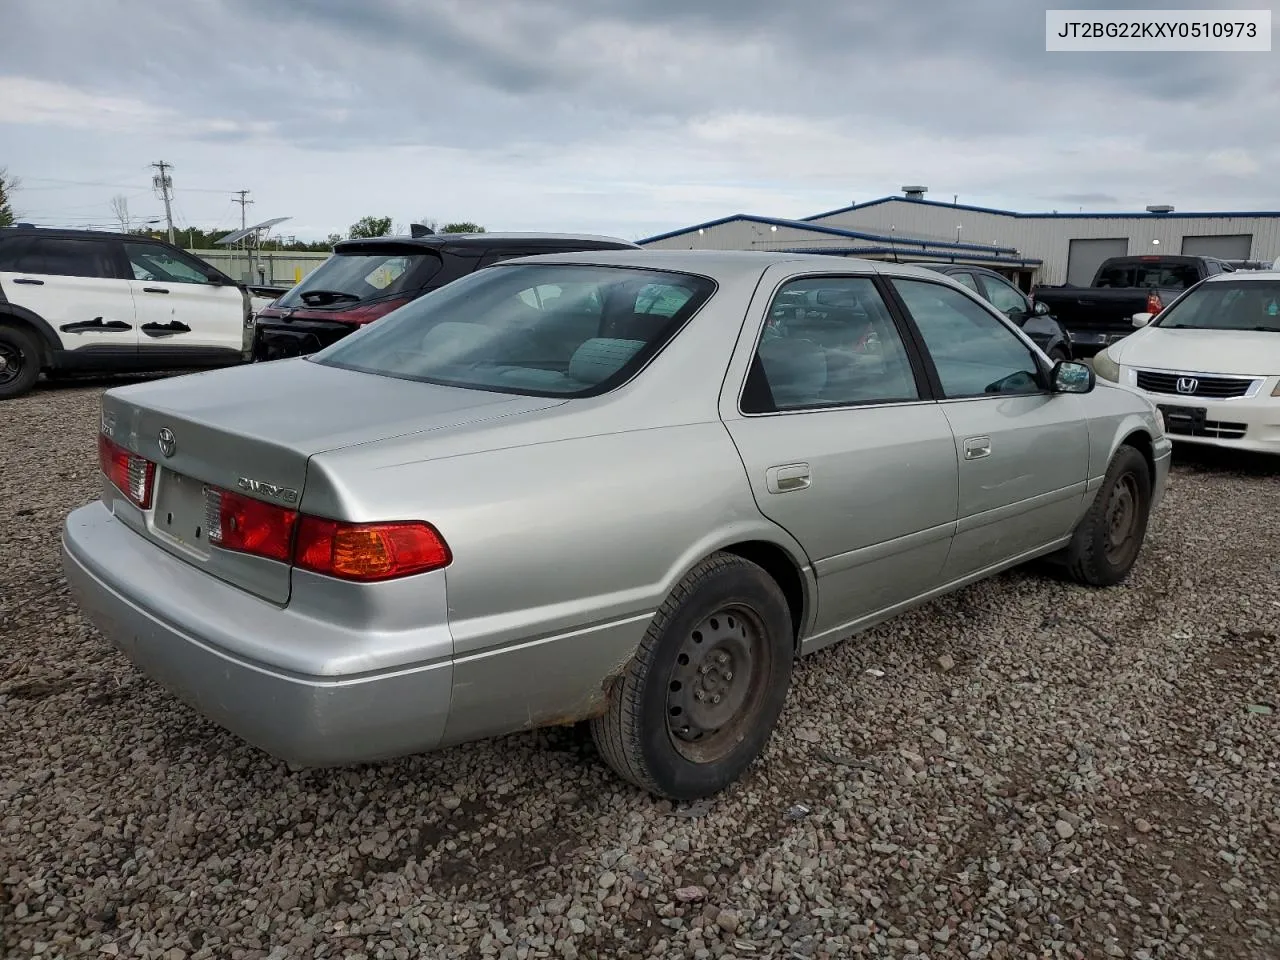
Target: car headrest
601 357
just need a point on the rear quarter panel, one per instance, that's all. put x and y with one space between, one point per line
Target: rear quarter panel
562 552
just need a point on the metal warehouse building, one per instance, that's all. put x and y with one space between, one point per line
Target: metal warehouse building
1030 248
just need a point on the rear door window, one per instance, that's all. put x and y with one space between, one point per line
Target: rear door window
64 257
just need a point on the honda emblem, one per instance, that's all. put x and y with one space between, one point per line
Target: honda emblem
1187 384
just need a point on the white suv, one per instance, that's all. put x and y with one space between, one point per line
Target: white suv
81 301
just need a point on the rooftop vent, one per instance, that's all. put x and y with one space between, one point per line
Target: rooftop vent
914 193
1160 208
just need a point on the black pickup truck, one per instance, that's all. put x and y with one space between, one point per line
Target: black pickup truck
1102 313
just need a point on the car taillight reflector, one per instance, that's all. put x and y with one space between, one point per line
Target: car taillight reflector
368 551
132 475
249 526
1154 305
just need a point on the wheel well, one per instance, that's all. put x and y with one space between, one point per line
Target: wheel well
778 564
36 334
1141 442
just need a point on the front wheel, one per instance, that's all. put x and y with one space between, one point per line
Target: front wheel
1107 541
699 700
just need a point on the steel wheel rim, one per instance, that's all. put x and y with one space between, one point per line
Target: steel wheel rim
717 684
1121 516
11 360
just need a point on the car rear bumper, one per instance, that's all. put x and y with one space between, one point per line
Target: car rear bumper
310 719
277 339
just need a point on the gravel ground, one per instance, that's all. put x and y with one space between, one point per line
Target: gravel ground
1026 769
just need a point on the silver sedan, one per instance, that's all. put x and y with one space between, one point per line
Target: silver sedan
624 487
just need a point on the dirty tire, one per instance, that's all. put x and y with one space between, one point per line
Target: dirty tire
20 368
636 736
1092 558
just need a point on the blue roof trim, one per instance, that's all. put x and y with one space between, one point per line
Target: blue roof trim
833 231
945 257
1052 216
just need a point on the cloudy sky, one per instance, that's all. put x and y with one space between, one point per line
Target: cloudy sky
626 117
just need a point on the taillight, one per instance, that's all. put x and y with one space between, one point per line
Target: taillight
1154 305
364 552
249 526
132 475
368 551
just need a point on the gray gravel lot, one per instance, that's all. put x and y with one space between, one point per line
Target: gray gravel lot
1039 771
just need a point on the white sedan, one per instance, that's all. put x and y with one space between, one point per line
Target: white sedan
1210 361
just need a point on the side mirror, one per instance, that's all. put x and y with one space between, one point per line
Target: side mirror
1071 377
1041 309
1142 319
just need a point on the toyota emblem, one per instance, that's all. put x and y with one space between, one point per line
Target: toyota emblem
168 442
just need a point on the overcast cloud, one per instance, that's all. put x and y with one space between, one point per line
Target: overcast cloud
614 116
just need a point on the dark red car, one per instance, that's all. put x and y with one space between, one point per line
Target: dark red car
365 279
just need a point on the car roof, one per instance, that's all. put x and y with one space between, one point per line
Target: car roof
730 262
488 241
27 229
1272 275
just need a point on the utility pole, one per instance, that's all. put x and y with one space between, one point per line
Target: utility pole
241 198
164 183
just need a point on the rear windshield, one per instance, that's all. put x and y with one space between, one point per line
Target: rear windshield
1166 276
535 329
347 278
1238 305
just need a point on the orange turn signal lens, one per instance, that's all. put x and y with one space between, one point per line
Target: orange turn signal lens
369 551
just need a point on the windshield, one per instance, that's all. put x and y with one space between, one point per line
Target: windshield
1149 276
536 329
346 278
1238 305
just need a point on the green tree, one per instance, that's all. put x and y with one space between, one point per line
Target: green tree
8 185
370 227
466 226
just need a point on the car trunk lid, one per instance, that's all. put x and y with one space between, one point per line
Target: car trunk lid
252 430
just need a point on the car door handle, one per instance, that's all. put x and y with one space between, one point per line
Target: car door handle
154 290
975 448
788 477
34 283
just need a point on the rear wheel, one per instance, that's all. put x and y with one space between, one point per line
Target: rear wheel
19 362
700 699
1107 541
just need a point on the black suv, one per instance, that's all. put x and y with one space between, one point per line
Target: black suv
366 279
1032 316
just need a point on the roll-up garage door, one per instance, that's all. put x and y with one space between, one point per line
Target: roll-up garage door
1232 246
1085 256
